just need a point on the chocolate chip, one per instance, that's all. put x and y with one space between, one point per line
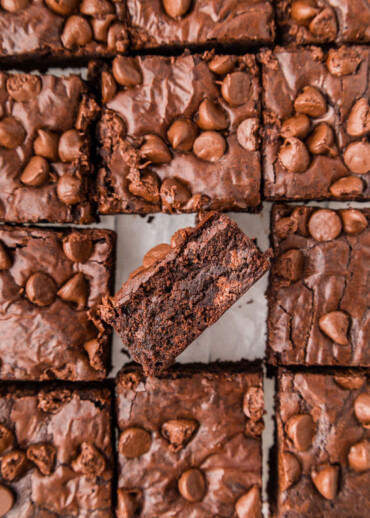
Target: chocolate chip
147 187
155 150
12 133
192 485
43 455
96 7
321 141
358 123
117 39
6 438
69 189
179 432
347 186
101 26
294 156
222 65
78 246
155 254
134 442
75 290
52 401
362 409
182 134
36 172
211 116
90 461
126 71
210 146
46 145
324 225
357 157
253 403
290 265
335 325
128 503
247 134
23 87
324 25
296 126
62 7
174 194
13 465
310 102
325 480
350 382
176 8
354 221
70 145
5 259
235 88
296 222
6 500
136 272
41 289
95 353
303 11
76 33
180 236
359 456
289 470
13 6
249 505
108 87
343 61
301 430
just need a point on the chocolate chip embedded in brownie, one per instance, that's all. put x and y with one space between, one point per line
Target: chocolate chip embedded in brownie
316 123
319 285
179 134
183 288
199 452
52 282
323 444
55 452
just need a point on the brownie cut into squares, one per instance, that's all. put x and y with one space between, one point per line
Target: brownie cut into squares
51 284
179 134
190 441
45 163
34 29
55 452
159 24
319 287
323 21
316 123
183 288
323 444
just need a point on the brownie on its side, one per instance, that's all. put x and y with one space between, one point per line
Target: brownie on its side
45 165
174 23
179 134
319 287
316 123
182 289
323 433
55 453
190 441
61 28
51 283
323 21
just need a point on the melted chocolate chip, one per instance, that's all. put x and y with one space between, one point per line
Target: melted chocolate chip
134 442
192 485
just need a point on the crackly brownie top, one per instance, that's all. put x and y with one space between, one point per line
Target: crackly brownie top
199 453
324 444
180 134
317 122
51 282
55 453
318 295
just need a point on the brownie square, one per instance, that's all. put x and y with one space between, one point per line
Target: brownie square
319 287
55 452
31 29
51 283
45 164
323 444
183 288
170 23
179 134
199 453
316 116
323 21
